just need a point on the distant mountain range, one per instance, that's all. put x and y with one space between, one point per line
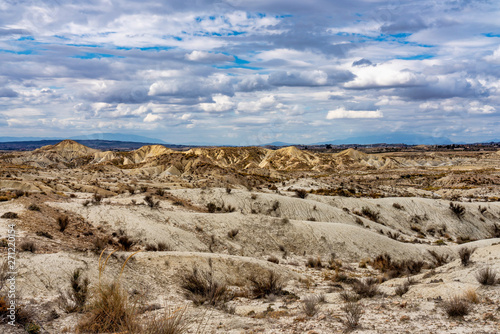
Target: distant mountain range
391 138
94 136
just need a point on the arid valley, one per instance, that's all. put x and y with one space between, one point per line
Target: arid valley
252 240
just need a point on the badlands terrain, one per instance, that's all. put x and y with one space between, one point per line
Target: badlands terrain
251 240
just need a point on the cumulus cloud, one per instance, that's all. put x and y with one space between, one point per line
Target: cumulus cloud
343 113
7 92
209 57
151 118
221 103
177 68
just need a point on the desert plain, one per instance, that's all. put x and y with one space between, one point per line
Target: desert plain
251 240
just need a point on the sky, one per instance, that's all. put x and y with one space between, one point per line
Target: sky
239 72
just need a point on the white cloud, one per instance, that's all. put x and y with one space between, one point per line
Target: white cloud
343 113
203 56
221 103
150 118
264 103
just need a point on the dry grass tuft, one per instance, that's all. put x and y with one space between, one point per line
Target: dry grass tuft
456 307
486 276
202 288
111 310
169 322
471 296
264 286
353 313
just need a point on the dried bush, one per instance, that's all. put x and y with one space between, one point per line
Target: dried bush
160 192
126 242
310 305
371 214
273 259
352 313
164 247
34 207
100 244
471 296
202 288
439 259
366 288
486 276
398 206
168 322
151 202
349 296
10 215
402 289
457 209
301 193
233 233
110 311
266 285
465 254
96 199
28 246
228 190
211 207
456 307
74 299
314 262
63 222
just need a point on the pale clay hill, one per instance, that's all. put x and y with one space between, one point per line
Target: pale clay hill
242 213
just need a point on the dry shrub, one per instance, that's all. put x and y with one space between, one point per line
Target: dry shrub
151 202
439 259
75 298
233 233
126 242
63 222
10 215
202 288
465 254
353 313
366 288
168 322
301 193
457 209
314 262
471 296
266 285
273 259
28 246
349 296
486 276
402 289
110 311
34 207
310 305
456 307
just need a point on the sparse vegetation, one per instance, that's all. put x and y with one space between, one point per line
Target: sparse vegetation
167 322
366 288
266 285
301 193
10 215
310 305
486 276
62 222
352 313
456 307
151 202
34 207
457 209
74 299
465 254
203 288
233 233
28 246
126 242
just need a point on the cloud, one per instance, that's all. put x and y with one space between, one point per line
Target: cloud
265 103
208 57
221 103
7 92
362 62
343 113
388 75
151 118
299 78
